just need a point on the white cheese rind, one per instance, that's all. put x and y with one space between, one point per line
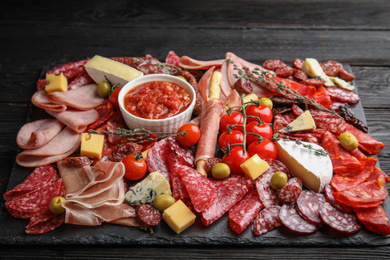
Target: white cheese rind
103 69
148 189
301 123
315 170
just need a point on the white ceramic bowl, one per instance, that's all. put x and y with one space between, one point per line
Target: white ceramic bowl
169 124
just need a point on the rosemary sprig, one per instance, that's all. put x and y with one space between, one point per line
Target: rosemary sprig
161 65
139 135
319 152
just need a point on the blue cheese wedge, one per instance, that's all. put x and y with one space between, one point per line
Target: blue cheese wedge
103 69
301 123
148 189
312 164
342 83
313 69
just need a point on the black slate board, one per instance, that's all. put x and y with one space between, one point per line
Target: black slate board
217 234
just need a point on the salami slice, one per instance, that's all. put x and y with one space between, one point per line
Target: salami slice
228 194
314 82
157 159
297 63
309 204
346 76
178 189
300 75
374 219
148 214
40 177
342 95
290 217
273 64
44 223
330 198
185 154
266 220
266 194
284 72
340 221
291 191
241 214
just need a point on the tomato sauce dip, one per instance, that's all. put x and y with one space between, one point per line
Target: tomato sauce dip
157 100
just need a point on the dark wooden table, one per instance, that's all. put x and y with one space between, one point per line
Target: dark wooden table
40 35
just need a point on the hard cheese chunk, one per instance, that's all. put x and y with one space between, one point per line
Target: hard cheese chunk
179 217
314 169
254 167
314 70
303 122
148 189
56 83
342 83
103 69
92 145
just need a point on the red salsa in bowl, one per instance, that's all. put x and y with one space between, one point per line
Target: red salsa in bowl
157 100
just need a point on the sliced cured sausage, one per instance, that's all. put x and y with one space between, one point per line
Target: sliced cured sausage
157 159
266 220
274 64
290 217
330 198
44 223
291 191
148 214
341 221
374 219
241 214
309 204
342 95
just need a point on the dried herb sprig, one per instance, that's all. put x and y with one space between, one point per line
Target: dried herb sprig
319 152
161 65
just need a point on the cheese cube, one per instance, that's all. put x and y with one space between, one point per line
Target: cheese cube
103 69
179 217
56 83
254 167
303 122
313 69
92 145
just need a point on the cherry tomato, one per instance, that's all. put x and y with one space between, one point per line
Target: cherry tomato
135 167
114 98
262 129
262 110
226 138
265 150
235 159
232 119
188 134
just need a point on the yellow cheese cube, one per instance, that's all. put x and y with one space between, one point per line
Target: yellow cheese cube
178 216
56 83
92 145
254 167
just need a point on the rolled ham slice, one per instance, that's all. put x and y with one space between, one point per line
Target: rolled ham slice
38 133
60 147
77 120
39 99
83 98
192 64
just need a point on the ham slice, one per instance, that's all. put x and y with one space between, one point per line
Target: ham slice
83 98
77 120
192 64
39 99
38 133
60 147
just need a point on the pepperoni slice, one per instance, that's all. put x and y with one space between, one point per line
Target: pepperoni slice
266 220
346 76
330 198
374 219
291 191
314 82
300 75
284 72
309 204
290 217
273 64
241 214
340 221
148 214
297 63
342 95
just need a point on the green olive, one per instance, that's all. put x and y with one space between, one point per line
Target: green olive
163 201
266 101
348 141
56 205
103 89
278 180
220 171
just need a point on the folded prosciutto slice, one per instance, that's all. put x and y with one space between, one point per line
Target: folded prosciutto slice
77 120
60 147
83 98
38 133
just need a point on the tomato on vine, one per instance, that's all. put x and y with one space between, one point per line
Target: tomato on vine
255 127
113 98
235 118
230 137
263 111
135 167
265 150
188 134
235 158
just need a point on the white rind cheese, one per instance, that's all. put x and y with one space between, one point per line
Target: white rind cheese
148 189
301 123
315 170
314 70
103 69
